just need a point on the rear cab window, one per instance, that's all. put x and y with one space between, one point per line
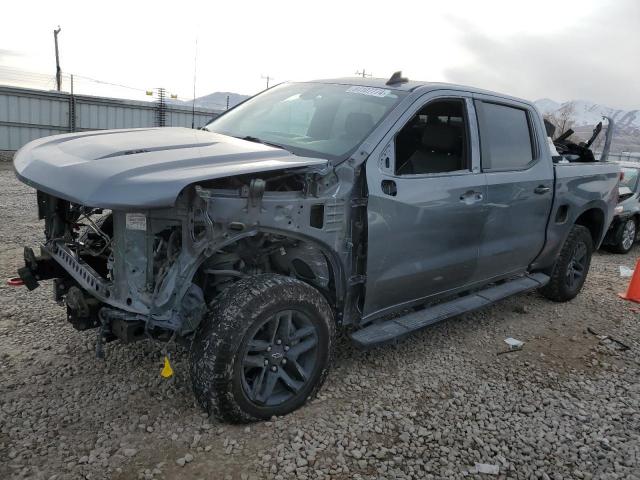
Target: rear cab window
506 137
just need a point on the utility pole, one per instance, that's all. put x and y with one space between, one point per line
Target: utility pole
72 109
161 107
58 70
193 101
267 77
364 74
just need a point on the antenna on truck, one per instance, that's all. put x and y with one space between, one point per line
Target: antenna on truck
397 78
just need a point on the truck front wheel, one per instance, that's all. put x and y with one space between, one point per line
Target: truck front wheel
263 349
571 267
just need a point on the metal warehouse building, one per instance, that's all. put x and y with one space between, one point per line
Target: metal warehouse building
27 114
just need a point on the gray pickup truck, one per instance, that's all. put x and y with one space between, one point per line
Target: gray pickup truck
379 206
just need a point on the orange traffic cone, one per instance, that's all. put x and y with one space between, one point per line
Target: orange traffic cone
633 291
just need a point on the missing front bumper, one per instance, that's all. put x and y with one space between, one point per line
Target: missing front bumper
38 268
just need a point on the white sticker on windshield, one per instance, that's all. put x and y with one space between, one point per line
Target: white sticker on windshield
136 221
371 91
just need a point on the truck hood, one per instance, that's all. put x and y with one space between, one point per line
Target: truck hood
142 168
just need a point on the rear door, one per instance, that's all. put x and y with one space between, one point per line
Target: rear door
426 207
519 186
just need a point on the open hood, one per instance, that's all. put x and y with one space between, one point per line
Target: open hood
142 168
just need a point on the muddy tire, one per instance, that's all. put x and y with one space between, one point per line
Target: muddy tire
571 267
263 349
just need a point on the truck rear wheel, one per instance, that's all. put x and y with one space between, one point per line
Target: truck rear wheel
263 349
571 267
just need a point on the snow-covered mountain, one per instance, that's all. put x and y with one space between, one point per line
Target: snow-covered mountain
585 115
547 106
589 113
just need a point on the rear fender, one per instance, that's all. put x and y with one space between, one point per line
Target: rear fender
563 218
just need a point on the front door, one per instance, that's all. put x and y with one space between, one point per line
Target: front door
427 205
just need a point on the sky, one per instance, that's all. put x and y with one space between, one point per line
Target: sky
563 50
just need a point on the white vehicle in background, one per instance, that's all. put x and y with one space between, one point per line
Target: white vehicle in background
623 231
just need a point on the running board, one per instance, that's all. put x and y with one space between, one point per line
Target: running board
399 327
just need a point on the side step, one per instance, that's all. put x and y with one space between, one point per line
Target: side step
399 327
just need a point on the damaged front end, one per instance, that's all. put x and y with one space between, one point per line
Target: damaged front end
121 269
152 273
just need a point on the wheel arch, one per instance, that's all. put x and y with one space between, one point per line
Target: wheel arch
592 216
337 287
593 219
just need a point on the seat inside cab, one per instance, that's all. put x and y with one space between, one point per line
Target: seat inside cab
434 140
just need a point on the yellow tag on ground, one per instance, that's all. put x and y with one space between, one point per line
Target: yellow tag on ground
167 371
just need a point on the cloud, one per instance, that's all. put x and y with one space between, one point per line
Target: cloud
595 60
5 53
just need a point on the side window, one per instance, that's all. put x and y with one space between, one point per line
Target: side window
505 136
435 140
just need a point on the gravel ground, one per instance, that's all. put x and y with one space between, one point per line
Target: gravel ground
566 406
6 155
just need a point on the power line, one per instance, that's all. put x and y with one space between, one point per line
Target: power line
110 83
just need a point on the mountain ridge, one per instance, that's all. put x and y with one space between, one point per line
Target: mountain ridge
215 101
586 112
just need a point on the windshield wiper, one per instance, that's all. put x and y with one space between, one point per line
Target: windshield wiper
251 138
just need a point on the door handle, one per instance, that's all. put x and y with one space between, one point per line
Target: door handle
389 187
542 189
471 196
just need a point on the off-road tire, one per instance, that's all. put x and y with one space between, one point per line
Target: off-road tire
217 346
557 288
617 246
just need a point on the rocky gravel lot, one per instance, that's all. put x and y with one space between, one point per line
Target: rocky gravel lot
434 406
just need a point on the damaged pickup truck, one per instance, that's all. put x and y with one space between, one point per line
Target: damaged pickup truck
378 206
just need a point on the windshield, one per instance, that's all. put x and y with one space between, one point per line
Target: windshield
630 178
325 120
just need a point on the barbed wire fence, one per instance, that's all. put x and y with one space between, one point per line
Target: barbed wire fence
38 108
83 85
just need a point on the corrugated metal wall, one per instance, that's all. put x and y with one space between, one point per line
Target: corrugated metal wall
27 114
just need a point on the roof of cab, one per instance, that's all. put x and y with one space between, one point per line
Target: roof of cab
413 85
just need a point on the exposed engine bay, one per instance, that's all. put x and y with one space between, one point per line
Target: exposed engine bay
153 273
